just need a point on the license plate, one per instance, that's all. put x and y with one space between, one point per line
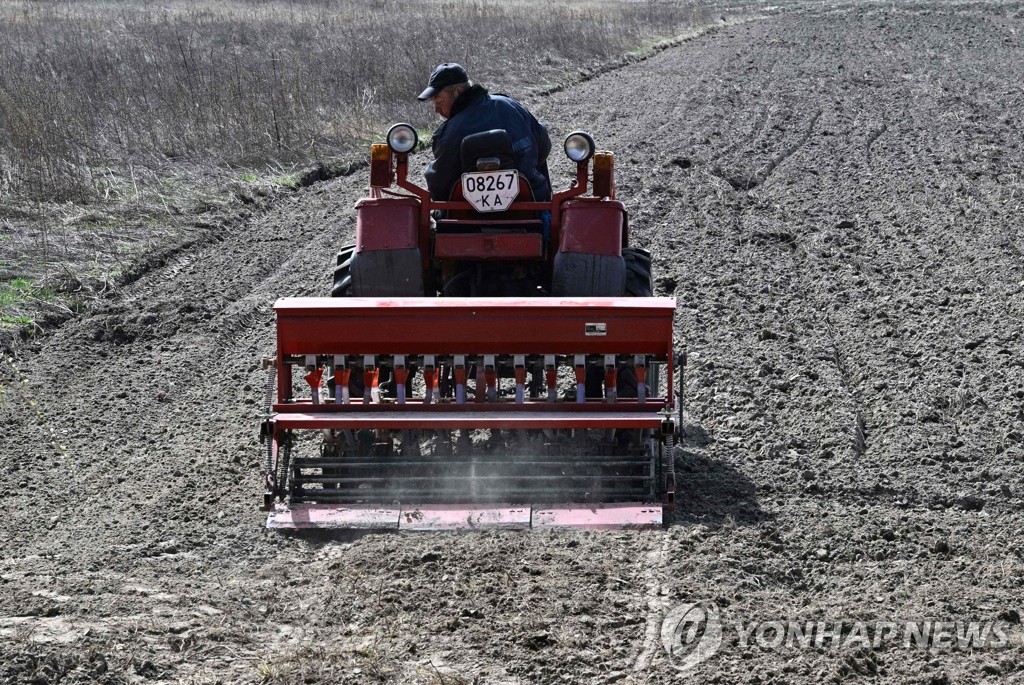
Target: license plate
490 191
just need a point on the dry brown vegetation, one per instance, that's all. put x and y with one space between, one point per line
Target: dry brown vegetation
128 127
91 93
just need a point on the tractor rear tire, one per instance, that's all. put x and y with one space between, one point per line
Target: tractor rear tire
387 273
386 265
579 274
345 253
639 282
381 273
343 273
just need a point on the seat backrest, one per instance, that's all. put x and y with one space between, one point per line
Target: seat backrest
493 143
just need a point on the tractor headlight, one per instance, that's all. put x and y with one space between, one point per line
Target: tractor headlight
402 138
579 146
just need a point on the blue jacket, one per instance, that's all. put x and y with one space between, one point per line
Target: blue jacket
476 111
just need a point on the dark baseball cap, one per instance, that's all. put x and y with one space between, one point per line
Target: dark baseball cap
447 74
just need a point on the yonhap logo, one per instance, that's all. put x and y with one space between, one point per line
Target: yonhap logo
691 633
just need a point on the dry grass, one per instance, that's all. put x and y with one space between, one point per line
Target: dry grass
92 92
128 126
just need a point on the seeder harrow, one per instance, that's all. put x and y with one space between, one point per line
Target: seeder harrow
434 413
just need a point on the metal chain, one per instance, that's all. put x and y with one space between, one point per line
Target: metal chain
284 457
268 403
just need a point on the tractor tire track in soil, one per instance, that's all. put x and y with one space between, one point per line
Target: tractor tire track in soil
855 418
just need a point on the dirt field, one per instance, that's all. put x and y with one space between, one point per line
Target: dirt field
832 193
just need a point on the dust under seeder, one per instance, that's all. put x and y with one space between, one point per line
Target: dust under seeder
486 361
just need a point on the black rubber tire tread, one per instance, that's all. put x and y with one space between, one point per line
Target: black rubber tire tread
639 280
343 273
578 274
386 273
345 253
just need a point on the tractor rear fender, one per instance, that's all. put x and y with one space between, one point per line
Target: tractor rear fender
388 260
592 226
387 224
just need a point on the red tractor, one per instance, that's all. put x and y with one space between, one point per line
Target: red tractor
488 360
494 239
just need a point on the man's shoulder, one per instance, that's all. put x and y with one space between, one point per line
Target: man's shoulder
507 100
511 109
438 135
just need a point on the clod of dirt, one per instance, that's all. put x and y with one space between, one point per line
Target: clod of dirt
539 640
145 668
970 503
991 669
975 344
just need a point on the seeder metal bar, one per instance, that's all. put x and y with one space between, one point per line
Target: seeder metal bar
503 326
452 462
538 406
500 478
436 495
627 515
466 419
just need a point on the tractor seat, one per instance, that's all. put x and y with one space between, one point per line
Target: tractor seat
493 144
494 149
471 235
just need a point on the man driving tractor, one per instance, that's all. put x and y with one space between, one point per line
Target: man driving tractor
469 108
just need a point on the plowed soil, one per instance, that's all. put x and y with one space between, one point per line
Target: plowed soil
833 194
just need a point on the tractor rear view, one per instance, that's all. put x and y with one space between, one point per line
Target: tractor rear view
485 361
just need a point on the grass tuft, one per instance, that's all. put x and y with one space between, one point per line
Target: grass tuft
19 298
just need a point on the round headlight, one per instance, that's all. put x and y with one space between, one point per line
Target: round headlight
579 146
402 138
